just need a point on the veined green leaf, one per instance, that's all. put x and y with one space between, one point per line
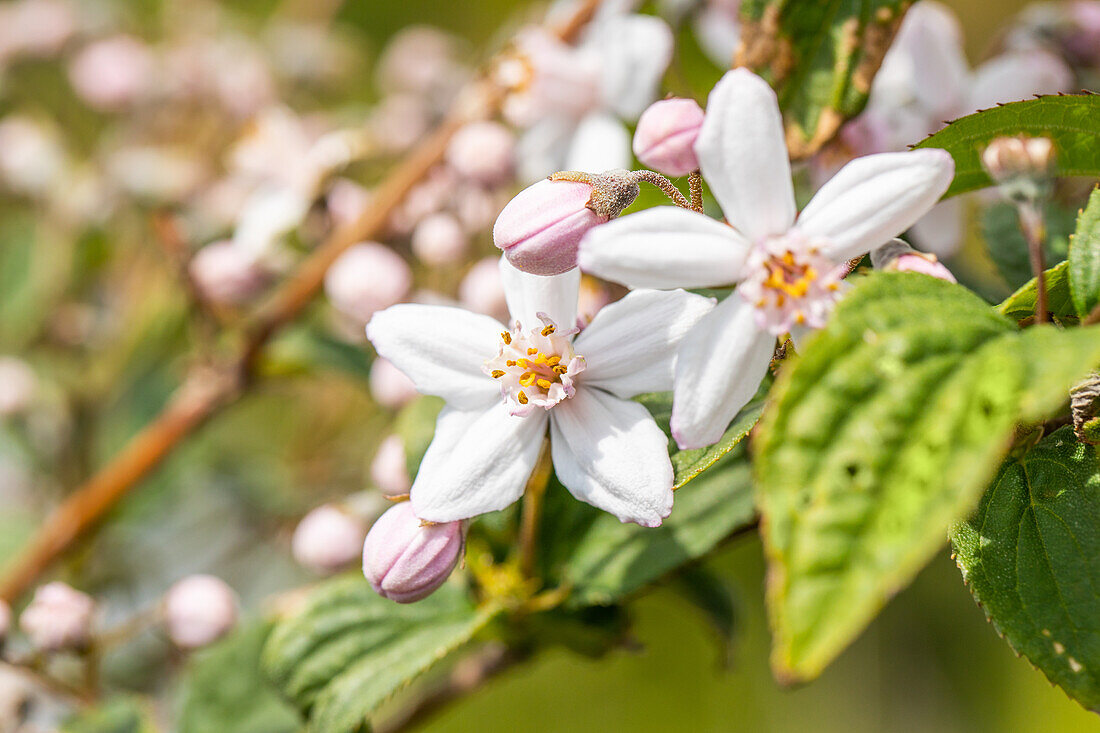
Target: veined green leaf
1031 557
883 434
349 649
820 56
1069 120
1084 258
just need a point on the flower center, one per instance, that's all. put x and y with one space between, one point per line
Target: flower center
791 283
537 368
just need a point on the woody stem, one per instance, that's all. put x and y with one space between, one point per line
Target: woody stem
532 510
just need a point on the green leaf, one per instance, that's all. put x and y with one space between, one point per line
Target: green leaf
349 649
227 693
714 597
1021 304
611 559
820 56
1031 557
884 433
415 425
1084 258
1069 120
688 464
123 714
1007 247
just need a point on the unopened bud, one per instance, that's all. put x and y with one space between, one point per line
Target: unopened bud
666 134
227 273
328 539
1021 166
389 469
406 561
112 73
58 617
366 278
897 256
199 610
482 151
389 386
439 240
482 290
541 228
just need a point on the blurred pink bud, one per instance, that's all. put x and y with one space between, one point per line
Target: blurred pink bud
199 610
5 620
366 278
226 273
483 151
18 385
1083 40
541 228
389 386
419 59
58 617
666 133
389 470
476 208
32 157
897 256
112 73
398 121
346 201
36 27
545 76
439 240
405 561
481 290
328 539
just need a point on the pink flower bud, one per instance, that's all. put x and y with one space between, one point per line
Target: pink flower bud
897 256
541 228
482 151
226 273
439 240
347 201
389 470
666 133
366 278
17 386
112 73
199 610
328 539
482 291
58 617
475 208
405 561
389 386
5 621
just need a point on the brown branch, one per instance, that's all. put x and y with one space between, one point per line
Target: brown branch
206 391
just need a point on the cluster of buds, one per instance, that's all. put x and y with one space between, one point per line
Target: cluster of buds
1022 167
58 617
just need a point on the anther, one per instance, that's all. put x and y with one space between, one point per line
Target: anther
497 374
522 398
548 330
506 337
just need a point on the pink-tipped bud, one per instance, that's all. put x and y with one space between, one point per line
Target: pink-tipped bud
897 256
405 561
439 240
482 151
328 539
389 386
112 73
389 470
367 278
482 290
199 610
541 228
58 617
666 134
228 273
5 621
18 386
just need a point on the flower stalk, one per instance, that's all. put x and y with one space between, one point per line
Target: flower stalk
533 497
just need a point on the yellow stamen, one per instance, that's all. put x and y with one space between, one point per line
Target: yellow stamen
544 383
532 351
548 330
497 374
506 337
522 398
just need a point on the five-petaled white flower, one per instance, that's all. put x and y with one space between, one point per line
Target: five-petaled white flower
503 386
788 272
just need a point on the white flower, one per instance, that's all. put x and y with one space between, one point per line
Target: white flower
788 270
572 98
504 386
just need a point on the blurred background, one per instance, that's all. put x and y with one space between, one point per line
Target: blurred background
145 149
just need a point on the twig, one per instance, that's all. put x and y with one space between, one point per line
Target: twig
532 510
1034 229
204 392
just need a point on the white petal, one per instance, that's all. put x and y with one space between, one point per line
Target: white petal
610 453
875 198
630 346
743 155
718 369
440 349
1015 76
717 28
541 150
635 50
664 247
940 231
478 462
528 295
601 143
931 41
